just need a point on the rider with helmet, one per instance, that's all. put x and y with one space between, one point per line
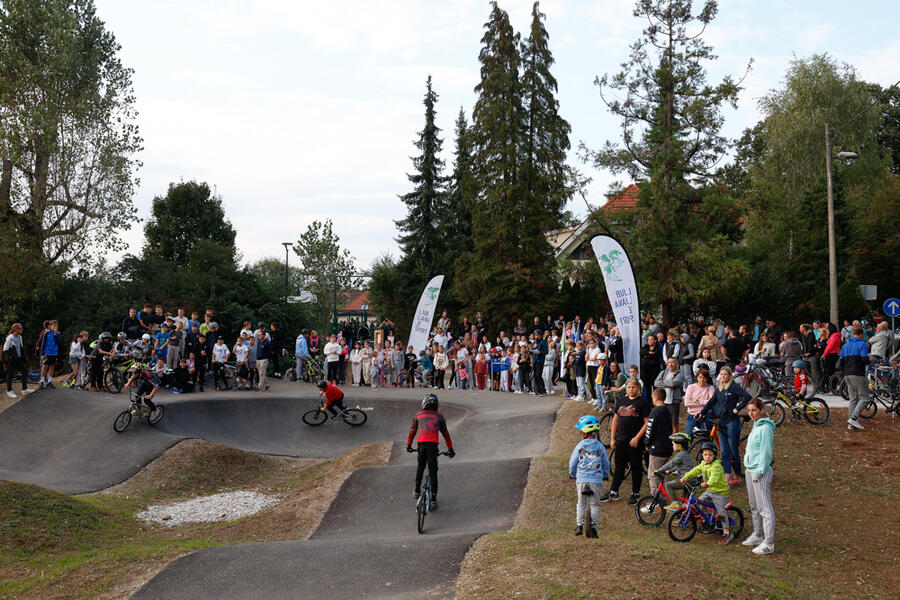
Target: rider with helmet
147 382
678 465
334 398
802 382
426 426
121 348
589 466
715 485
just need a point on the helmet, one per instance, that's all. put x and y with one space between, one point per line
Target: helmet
799 363
122 335
105 335
213 325
146 337
322 384
586 420
430 402
590 427
681 438
709 446
260 325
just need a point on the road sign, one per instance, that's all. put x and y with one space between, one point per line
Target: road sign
892 307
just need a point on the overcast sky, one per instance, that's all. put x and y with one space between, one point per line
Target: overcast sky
296 110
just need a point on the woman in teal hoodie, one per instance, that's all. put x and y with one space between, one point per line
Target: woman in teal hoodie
758 464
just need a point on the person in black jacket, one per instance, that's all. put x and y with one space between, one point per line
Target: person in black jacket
132 326
726 402
277 347
651 363
656 439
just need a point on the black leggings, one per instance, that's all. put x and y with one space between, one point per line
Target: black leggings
16 367
337 405
428 455
625 454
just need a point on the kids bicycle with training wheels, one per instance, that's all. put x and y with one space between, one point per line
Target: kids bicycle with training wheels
424 500
702 515
137 408
351 416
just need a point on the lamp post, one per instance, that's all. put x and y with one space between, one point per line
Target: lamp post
286 246
832 250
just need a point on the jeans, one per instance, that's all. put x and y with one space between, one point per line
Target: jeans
582 392
301 366
692 422
729 441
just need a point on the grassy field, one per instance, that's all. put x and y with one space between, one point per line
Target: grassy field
837 501
58 546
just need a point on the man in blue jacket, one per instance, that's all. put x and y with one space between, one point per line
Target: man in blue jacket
853 360
301 353
49 354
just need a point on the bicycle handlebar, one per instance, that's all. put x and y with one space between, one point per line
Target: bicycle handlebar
416 449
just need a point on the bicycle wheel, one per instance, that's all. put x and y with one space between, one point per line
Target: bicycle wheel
869 409
122 421
354 417
656 514
815 410
156 414
421 511
227 378
112 381
845 391
612 459
314 417
682 532
605 423
775 411
736 521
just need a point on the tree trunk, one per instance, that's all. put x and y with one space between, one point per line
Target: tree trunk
666 315
5 189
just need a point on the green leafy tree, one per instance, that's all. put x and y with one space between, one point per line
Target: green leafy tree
187 214
671 139
888 132
67 132
327 269
269 275
386 280
421 240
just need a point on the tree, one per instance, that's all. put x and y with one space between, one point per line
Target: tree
877 240
188 213
420 240
456 218
269 275
888 132
67 133
671 121
546 142
328 271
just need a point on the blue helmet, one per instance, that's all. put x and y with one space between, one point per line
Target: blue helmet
586 420
799 363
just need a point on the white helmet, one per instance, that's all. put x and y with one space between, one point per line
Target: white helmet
146 337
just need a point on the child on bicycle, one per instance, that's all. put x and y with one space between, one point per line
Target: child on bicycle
334 398
678 465
715 485
802 383
425 427
589 466
148 385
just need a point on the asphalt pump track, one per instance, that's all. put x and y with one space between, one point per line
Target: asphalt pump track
366 545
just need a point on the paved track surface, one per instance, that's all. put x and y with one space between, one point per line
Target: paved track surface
366 545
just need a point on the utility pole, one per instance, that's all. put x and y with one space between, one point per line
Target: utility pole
286 246
832 250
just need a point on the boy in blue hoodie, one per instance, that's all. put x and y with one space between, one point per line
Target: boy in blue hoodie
50 353
588 466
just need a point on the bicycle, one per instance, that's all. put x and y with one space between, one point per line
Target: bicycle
684 522
138 409
351 416
424 500
814 410
313 371
708 431
114 373
654 503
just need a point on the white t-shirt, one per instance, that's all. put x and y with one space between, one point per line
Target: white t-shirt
332 351
220 353
240 352
593 357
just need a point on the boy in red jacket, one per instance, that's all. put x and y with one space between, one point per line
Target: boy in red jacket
428 422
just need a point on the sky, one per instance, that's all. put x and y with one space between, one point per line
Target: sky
298 110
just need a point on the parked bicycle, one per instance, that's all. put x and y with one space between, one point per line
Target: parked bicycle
814 410
424 500
650 509
137 408
708 431
702 515
351 416
313 370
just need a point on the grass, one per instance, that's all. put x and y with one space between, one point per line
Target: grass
835 494
58 546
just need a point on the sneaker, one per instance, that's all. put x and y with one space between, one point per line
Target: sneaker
11 394
433 506
727 539
176 391
764 548
672 507
29 391
611 495
592 533
415 495
855 423
579 530
579 398
633 499
645 510
754 540
42 385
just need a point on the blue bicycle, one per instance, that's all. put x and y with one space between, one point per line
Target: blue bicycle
702 515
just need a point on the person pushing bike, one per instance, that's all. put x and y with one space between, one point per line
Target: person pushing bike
334 398
425 427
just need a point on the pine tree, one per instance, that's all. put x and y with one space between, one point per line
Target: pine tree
420 239
544 171
456 218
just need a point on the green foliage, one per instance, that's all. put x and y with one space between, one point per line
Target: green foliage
328 271
876 245
680 236
888 132
391 291
187 214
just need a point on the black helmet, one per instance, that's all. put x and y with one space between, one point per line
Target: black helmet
322 384
260 325
709 446
105 335
430 402
305 332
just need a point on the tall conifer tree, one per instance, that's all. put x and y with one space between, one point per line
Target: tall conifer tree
456 218
420 238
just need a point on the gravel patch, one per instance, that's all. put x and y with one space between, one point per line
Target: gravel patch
209 509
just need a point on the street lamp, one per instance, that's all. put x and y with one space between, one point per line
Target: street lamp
832 250
286 246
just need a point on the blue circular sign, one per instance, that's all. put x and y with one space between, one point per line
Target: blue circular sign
892 307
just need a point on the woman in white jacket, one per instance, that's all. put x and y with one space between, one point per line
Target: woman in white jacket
356 363
365 377
441 363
